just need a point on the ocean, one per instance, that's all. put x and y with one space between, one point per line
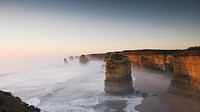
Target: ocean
55 86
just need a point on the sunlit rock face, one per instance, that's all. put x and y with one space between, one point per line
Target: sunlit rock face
118 75
149 59
152 59
83 59
186 79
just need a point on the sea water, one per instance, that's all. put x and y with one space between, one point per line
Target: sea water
55 86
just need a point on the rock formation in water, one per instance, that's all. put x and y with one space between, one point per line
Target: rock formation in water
186 79
9 103
118 75
71 57
83 59
65 60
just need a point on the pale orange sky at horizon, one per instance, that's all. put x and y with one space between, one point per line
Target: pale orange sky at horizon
54 29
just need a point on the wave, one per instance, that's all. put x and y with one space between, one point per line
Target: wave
6 74
34 101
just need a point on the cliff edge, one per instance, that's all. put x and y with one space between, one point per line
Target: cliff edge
9 103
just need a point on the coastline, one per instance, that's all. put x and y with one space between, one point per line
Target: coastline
159 99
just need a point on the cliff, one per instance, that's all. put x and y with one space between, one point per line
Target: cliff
9 103
96 56
186 71
185 65
150 59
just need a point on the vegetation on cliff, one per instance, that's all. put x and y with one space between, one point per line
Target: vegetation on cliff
9 103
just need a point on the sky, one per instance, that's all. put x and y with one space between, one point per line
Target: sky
74 27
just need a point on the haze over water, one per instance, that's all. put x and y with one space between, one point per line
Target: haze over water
55 86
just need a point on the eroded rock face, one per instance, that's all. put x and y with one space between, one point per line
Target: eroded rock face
9 103
118 75
83 59
186 79
152 59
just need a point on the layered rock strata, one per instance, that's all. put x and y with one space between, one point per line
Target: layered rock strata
118 75
9 103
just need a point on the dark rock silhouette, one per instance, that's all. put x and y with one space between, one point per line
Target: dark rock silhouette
118 75
65 60
71 57
9 103
83 59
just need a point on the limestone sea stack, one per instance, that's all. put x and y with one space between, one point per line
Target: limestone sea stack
71 57
118 75
9 103
83 59
65 60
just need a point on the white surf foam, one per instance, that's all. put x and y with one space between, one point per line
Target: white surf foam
34 101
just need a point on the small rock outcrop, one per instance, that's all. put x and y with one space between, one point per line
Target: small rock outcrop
65 60
118 75
71 57
9 103
83 59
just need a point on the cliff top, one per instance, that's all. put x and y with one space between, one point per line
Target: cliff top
151 51
191 51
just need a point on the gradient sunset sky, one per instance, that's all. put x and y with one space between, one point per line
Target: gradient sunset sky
74 27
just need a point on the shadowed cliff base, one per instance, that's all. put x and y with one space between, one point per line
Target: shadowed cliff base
119 88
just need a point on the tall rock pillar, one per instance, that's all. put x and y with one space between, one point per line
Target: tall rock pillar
118 75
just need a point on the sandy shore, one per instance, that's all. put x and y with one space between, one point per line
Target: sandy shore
155 85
